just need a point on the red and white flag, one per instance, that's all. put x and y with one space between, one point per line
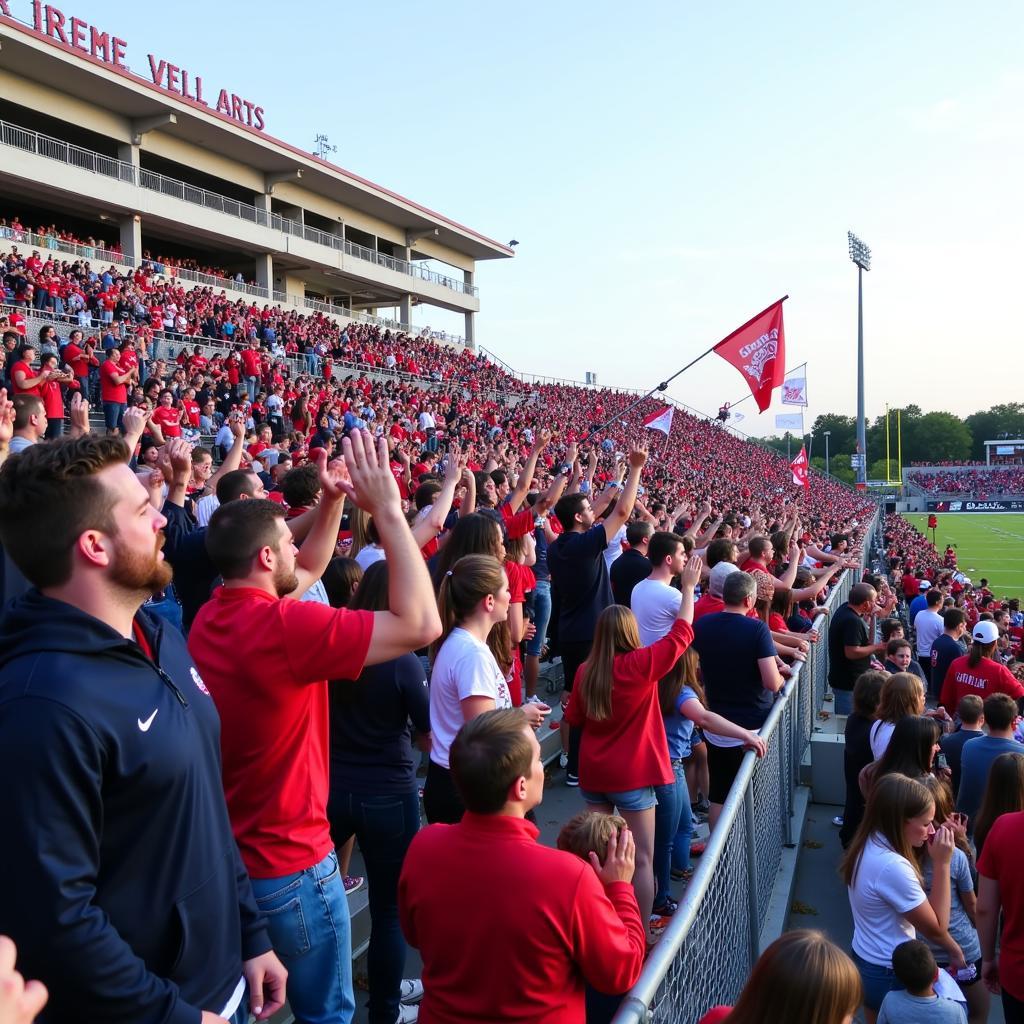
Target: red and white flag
758 351
801 475
661 420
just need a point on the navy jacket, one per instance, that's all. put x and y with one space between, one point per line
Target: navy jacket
125 892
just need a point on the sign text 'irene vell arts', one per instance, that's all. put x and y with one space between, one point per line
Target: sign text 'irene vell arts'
105 46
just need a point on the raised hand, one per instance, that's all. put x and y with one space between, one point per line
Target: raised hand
6 418
691 573
332 476
371 484
638 456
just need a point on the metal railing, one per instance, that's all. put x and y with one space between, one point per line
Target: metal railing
122 170
706 953
53 243
169 343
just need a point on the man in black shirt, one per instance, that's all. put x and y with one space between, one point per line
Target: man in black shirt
632 565
947 647
849 645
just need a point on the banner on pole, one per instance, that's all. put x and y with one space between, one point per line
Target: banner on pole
661 420
788 421
801 476
758 351
794 387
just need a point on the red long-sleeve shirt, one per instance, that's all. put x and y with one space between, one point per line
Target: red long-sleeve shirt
508 929
628 750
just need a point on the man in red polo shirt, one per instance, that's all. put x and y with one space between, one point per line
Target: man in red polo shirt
266 658
510 930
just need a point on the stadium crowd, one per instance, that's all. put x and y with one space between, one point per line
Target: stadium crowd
263 649
981 483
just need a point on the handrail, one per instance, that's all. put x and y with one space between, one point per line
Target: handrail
297 364
112 167
53 243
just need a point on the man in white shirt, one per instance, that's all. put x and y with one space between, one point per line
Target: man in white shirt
655 602
929 626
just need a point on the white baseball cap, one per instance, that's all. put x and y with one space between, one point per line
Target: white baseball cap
716 582
985 632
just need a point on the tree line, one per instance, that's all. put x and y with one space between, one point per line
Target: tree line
927 437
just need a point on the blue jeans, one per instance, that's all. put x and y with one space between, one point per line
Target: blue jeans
673 831
113 415
384 826
842 702
541 617
312 363
251 384
308 920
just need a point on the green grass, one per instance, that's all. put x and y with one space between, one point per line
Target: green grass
986 545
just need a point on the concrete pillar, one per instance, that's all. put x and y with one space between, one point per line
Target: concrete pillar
405 309
470 331
131 238
129 154
265 271
292 213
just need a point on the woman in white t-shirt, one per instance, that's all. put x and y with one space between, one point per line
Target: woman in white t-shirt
465 680
902 696
886 891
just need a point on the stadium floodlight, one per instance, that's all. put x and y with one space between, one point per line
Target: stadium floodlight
860 254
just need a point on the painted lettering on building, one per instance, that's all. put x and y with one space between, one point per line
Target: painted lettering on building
104 46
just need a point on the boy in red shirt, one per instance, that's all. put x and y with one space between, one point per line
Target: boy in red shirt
521 950
270 686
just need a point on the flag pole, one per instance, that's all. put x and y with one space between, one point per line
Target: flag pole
740 401
663 386
888 465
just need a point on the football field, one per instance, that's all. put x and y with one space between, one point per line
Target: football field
986 545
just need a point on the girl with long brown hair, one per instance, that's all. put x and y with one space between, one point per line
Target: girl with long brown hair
466 679
963 903
683 706
614 700
1004 794
885 884
801 978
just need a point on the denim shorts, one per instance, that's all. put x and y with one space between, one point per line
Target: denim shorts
642 799
877 981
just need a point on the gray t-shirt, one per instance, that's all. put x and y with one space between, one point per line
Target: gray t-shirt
903 1008
960 926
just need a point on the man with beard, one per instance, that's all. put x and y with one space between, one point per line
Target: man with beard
266 658
130 901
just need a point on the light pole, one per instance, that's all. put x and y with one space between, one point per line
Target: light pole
828 434
861 256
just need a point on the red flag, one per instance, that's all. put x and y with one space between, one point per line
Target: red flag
801 475
661 420
758 351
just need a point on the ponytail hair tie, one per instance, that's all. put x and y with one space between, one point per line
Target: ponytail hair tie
448 573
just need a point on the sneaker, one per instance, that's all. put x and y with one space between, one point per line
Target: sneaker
407 1014
696 849
702 806
666 908
563 760
657 924
684 874
572 780
838 821
411 991
353 883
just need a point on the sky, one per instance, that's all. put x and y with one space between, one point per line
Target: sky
670 169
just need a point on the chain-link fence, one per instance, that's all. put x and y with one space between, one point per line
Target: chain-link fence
706 953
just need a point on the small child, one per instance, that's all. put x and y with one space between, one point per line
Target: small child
582 835
914 965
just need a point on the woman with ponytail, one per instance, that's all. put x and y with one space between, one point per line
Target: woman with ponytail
466 679
623 752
